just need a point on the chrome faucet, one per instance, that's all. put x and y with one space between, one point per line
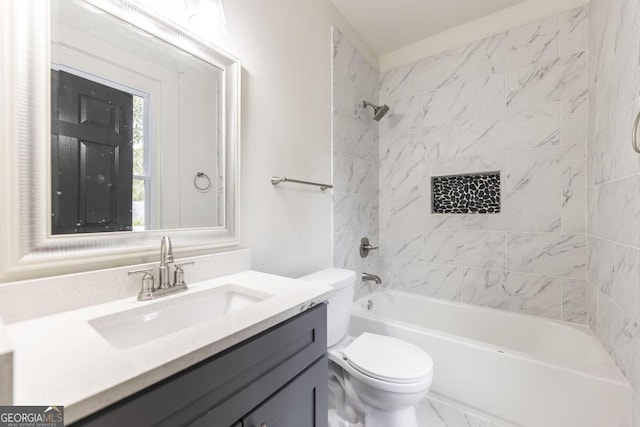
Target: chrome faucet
166 286
371 277
166 260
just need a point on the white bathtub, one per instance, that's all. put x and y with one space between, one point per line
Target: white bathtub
519 369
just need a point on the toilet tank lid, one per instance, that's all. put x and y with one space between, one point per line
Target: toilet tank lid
338 278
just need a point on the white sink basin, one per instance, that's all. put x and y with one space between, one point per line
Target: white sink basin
139 325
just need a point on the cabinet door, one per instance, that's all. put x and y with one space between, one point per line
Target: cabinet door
300 403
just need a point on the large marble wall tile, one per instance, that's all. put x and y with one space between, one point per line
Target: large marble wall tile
618 333
402 244
521 211
574 218
425 75
442 221
347 99
343 51
523 293
367 211
547 168
601 263
466 248
602 36
384 213
628 18
366 176
441 142
620 83
409 211
531 127
574 300
610 152
420 109
575 114
625 287
352 137
435 280
592 306
618 211
560 79
343 179
345 217
476 94
345 249
547 253
459 165
354 66
574 30
517 48
408 112
592 204
402 165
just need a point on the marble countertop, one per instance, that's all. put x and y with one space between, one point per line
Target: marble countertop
62 360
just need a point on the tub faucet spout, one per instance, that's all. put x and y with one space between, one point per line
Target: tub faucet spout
371 277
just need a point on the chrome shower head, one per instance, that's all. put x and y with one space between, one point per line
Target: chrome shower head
378 111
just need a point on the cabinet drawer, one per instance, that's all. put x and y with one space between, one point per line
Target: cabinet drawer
227 385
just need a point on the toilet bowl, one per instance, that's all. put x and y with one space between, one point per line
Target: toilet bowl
374 380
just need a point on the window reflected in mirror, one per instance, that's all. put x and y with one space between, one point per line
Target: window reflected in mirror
136 134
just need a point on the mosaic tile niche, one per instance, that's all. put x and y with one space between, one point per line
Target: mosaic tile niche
466 194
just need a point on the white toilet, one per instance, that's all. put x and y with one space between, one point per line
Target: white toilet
374 380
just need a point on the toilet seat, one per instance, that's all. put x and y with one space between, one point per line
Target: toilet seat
388 359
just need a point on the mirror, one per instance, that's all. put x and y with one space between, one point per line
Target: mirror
167 130
135 128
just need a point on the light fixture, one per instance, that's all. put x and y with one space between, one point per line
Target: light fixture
204 18
208 17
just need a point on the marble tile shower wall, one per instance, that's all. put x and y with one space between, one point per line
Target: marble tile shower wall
613 185
516 102
355 159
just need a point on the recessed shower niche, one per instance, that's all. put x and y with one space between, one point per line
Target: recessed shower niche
475 193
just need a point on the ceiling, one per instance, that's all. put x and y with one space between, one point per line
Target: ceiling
388 25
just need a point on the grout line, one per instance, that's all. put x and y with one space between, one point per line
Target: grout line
593 236
611 181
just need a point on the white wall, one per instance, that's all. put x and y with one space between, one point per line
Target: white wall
285 49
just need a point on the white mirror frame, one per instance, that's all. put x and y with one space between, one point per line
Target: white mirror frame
27 249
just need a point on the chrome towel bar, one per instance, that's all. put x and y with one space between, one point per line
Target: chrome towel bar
275 180
634 135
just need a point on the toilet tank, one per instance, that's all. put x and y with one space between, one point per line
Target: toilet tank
339 308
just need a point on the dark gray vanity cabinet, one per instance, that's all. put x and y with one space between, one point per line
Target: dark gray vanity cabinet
277 378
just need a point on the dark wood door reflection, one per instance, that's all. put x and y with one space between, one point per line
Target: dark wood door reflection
91 156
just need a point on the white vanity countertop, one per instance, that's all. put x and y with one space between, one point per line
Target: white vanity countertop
62 360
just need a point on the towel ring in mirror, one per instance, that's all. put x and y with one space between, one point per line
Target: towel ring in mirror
202 182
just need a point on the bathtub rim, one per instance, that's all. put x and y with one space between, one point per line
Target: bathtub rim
609 372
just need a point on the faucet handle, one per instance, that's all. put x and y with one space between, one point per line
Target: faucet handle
178 275
146 292
366 247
